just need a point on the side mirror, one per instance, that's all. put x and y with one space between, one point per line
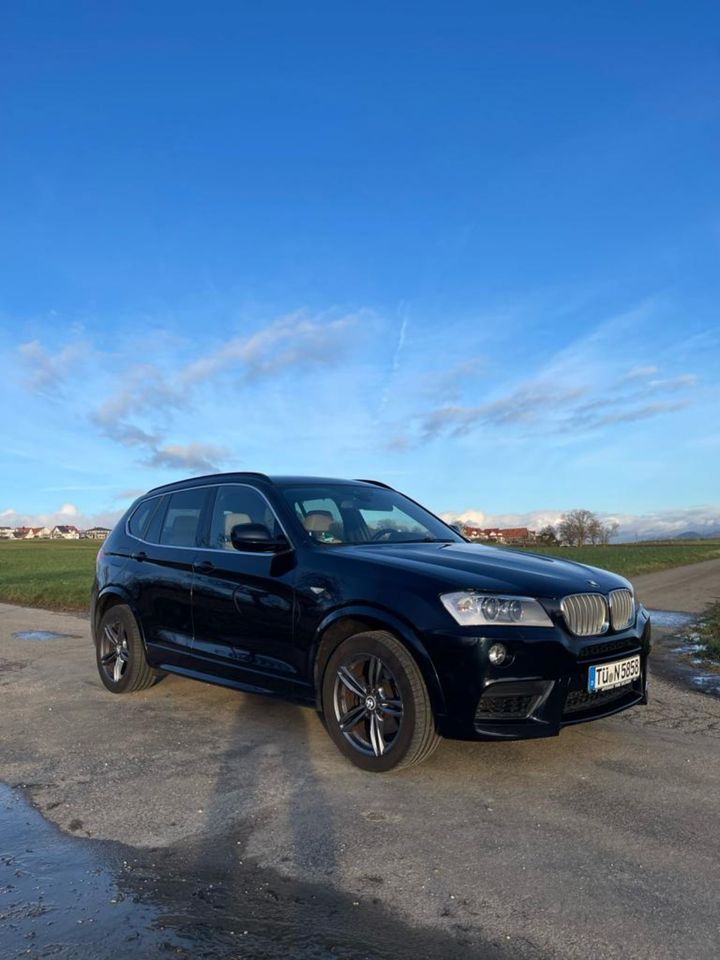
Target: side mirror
257 538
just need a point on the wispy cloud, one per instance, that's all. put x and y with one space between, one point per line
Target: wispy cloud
138 412
194 456
46 371
576 391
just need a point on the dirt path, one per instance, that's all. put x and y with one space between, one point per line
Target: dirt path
688 589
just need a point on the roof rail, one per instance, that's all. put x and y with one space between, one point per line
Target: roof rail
377 483
212 476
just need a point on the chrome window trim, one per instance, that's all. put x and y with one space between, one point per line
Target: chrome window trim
210 486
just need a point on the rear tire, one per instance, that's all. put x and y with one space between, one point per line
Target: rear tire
120 653
376 706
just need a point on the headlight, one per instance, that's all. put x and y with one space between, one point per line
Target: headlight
479 609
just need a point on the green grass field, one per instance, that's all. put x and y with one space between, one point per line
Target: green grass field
632 559
58 574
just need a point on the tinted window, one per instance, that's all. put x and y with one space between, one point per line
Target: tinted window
356 514
152 530
236 505
182 520
141 515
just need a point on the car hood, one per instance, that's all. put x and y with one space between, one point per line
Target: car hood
474 566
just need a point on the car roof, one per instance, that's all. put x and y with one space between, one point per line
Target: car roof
260 479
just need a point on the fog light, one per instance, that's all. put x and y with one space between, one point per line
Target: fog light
497 654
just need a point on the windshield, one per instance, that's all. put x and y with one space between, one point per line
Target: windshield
343 513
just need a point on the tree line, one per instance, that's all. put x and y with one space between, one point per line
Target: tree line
577 528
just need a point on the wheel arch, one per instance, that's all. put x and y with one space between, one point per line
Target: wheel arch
111 597
348 621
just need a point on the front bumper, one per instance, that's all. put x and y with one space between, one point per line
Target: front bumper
542 690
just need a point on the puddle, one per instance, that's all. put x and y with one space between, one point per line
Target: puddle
57 898
42 635
671 619
708 684
76 899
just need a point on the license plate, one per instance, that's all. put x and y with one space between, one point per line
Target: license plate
607 676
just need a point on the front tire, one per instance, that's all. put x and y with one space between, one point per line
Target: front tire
376 706
120 653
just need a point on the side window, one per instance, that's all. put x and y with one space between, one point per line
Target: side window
322 519
235 505
152 530
141 515
182 520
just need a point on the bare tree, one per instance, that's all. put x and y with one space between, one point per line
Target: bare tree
575 527
578 527
547 535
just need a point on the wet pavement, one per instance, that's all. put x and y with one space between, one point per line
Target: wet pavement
77 899
41 635
677 654
59 899
193 821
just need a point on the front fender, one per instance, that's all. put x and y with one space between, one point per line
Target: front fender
378 618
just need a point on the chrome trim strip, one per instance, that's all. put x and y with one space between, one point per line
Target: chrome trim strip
206 486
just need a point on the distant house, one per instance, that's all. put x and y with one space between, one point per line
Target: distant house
65 532
518 535
514 535
31 533
7 533
97 533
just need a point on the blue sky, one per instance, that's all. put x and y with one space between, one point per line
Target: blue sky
469 249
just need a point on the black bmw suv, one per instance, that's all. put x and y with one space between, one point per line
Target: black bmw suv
349 596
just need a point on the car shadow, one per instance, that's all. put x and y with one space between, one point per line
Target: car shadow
269 803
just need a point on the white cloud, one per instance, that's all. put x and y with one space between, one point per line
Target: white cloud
704 520
46 371
146 394
194 456
66 514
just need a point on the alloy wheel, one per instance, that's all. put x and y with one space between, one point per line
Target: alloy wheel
368 704
114 652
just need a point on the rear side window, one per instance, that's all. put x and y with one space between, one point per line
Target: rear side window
182 519
141 516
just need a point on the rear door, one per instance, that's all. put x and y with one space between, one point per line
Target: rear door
163 567
243 601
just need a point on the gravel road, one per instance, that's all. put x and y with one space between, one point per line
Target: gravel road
226 825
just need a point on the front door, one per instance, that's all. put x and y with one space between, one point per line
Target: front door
243 602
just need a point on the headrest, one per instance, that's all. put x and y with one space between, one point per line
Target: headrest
318 521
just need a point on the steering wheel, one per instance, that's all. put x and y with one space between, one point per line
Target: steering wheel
383 532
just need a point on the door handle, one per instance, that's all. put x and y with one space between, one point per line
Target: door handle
139 556
205 566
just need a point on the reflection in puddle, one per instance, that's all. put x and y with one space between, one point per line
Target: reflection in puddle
671 618
57 898
40 635
708 684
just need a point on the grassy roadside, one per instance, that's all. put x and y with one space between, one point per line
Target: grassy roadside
633 559
55 574
709 631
